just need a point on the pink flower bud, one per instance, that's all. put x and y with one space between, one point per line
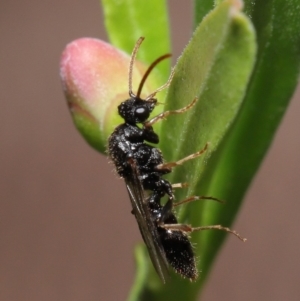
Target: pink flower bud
94 75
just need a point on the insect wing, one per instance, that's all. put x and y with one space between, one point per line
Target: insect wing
145 222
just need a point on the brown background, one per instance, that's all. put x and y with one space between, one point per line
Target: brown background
66 232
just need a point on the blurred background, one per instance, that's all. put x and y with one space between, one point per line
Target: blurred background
66 232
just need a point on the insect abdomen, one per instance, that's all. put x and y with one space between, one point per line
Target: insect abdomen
179 252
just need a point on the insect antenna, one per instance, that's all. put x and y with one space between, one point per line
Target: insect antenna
167 84
151 67
132 59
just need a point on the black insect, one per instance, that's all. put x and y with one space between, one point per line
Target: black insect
142 167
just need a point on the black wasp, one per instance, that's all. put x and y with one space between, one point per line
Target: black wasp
142 167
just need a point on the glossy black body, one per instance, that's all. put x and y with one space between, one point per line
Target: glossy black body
142 167
176 244
136 162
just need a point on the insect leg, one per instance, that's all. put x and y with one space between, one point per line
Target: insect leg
165 114
189 229
166 85
179 162
196 198
180 185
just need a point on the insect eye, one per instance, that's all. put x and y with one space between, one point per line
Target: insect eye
142 113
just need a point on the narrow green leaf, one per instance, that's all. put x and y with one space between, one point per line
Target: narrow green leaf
217 72
141 272
232 167
127 20
201 9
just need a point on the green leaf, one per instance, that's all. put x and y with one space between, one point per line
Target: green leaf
231 169
216 68
201 9
127 20
141 273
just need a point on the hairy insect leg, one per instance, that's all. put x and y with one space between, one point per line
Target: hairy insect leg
179 162
168 207
189 229
196 198
166 85
180 185
167 212
165 114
